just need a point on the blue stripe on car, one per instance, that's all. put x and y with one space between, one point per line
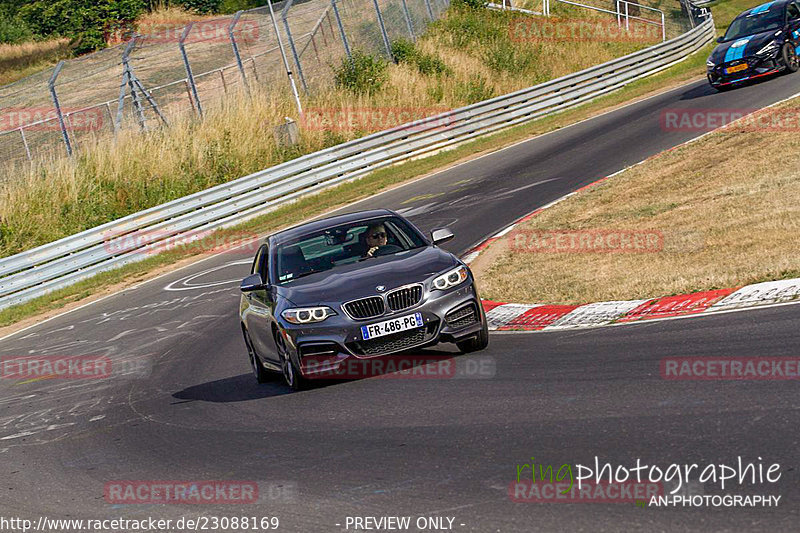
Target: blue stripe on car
736 50
761 8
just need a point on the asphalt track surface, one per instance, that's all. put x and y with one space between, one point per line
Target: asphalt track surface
410 447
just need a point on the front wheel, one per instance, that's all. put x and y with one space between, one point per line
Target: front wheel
291 374
255 363
476 343
790 60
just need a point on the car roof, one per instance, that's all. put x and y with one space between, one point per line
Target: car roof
764 8
316 225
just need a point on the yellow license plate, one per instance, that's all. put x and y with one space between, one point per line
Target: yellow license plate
737 68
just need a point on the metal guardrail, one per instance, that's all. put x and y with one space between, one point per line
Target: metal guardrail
61 263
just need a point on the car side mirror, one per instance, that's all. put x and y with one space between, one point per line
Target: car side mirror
441 235
252 283
720 39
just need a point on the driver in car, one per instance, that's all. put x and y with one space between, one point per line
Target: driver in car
375 238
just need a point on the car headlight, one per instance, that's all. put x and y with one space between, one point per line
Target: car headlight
307 315
709 63
769 49
451 279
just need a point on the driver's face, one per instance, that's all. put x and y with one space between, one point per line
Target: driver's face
376 236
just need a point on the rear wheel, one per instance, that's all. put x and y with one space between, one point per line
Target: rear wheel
476 343
255 363
790 60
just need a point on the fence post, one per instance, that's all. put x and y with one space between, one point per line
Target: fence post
125 77
383 31
408 21
291 45
430 10
54 95
137 105
236 50
285 61
341 29
188 67
25 143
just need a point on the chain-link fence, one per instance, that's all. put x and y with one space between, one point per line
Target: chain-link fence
154 77
150 79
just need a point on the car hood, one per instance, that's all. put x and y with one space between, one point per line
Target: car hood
739 48
358 280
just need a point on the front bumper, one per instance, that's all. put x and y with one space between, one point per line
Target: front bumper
323 350
756 68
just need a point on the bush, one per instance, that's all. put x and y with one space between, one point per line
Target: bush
202 6
13 31
361 74
84 21
469 4
475 90
404 51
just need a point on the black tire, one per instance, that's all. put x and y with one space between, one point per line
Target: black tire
291 374
261 375
476 343
790 60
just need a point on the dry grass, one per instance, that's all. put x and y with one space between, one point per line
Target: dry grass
729 216
113 178
20 60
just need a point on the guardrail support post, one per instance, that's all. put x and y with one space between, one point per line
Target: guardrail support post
341 28
52 85
188 67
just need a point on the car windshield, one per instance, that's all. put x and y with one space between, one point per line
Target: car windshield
343 245
752 24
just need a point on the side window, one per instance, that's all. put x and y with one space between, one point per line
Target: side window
257 261
263 266
793 12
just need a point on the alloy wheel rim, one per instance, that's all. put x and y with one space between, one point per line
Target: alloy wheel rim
251 354
286 365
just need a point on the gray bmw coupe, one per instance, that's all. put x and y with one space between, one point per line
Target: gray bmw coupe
361 285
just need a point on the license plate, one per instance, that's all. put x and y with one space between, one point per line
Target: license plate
737 68
395 325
